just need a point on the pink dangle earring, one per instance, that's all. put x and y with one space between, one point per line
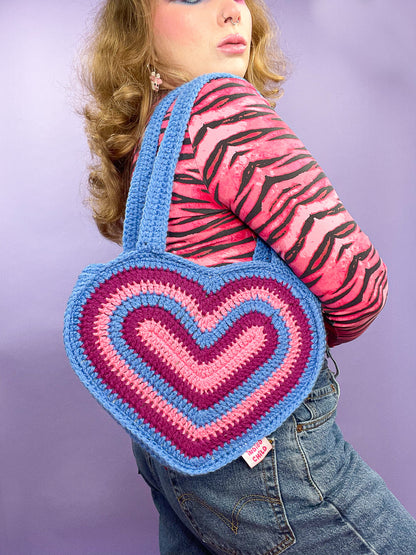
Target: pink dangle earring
155 80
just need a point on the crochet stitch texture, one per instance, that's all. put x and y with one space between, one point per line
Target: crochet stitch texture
196 363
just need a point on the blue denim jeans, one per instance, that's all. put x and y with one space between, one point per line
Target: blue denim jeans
311 495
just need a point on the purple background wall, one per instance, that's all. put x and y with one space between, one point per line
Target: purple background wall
68 480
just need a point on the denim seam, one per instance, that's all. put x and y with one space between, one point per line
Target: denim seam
232 524
345 519
315 423
205 538
330 392
305 460
182 511
288 540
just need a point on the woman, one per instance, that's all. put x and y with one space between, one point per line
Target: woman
242 173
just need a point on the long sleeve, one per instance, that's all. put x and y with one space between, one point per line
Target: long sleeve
253 166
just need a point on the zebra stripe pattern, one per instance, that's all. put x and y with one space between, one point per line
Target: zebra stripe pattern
242 172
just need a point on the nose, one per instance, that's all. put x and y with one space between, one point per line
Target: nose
229 12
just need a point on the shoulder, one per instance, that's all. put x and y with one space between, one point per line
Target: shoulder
228 92
228 105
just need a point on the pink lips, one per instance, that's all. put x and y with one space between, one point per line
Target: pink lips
233 44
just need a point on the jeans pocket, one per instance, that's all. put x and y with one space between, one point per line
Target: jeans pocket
316 431
320 405
236 509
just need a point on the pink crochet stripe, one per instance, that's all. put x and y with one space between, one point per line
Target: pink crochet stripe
229 425
204 376
168 420
194 441
172 374
216 304
206 321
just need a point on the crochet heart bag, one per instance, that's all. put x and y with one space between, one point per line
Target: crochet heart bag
196 363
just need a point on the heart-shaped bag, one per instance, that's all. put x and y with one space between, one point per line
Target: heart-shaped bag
196 363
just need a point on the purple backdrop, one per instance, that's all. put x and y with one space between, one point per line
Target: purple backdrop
68 479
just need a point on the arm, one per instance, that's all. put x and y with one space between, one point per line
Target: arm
254 165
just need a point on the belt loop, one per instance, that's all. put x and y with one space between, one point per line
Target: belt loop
329 355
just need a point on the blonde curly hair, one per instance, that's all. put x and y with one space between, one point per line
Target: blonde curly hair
115 75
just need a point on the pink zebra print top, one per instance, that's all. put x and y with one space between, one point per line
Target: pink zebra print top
242 173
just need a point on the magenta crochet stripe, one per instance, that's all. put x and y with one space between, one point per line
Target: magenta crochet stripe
152 278
243 172
159 413
216 387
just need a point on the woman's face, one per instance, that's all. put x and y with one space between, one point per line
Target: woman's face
198 36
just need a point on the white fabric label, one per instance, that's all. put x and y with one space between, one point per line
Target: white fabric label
257 453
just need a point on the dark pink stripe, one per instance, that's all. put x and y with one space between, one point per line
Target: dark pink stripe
186 446
205 399
206 302
204 447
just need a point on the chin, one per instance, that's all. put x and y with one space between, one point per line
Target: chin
238 69
233 66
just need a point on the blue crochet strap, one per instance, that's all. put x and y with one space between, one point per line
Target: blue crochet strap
150 193
154 224
262 252
142 172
